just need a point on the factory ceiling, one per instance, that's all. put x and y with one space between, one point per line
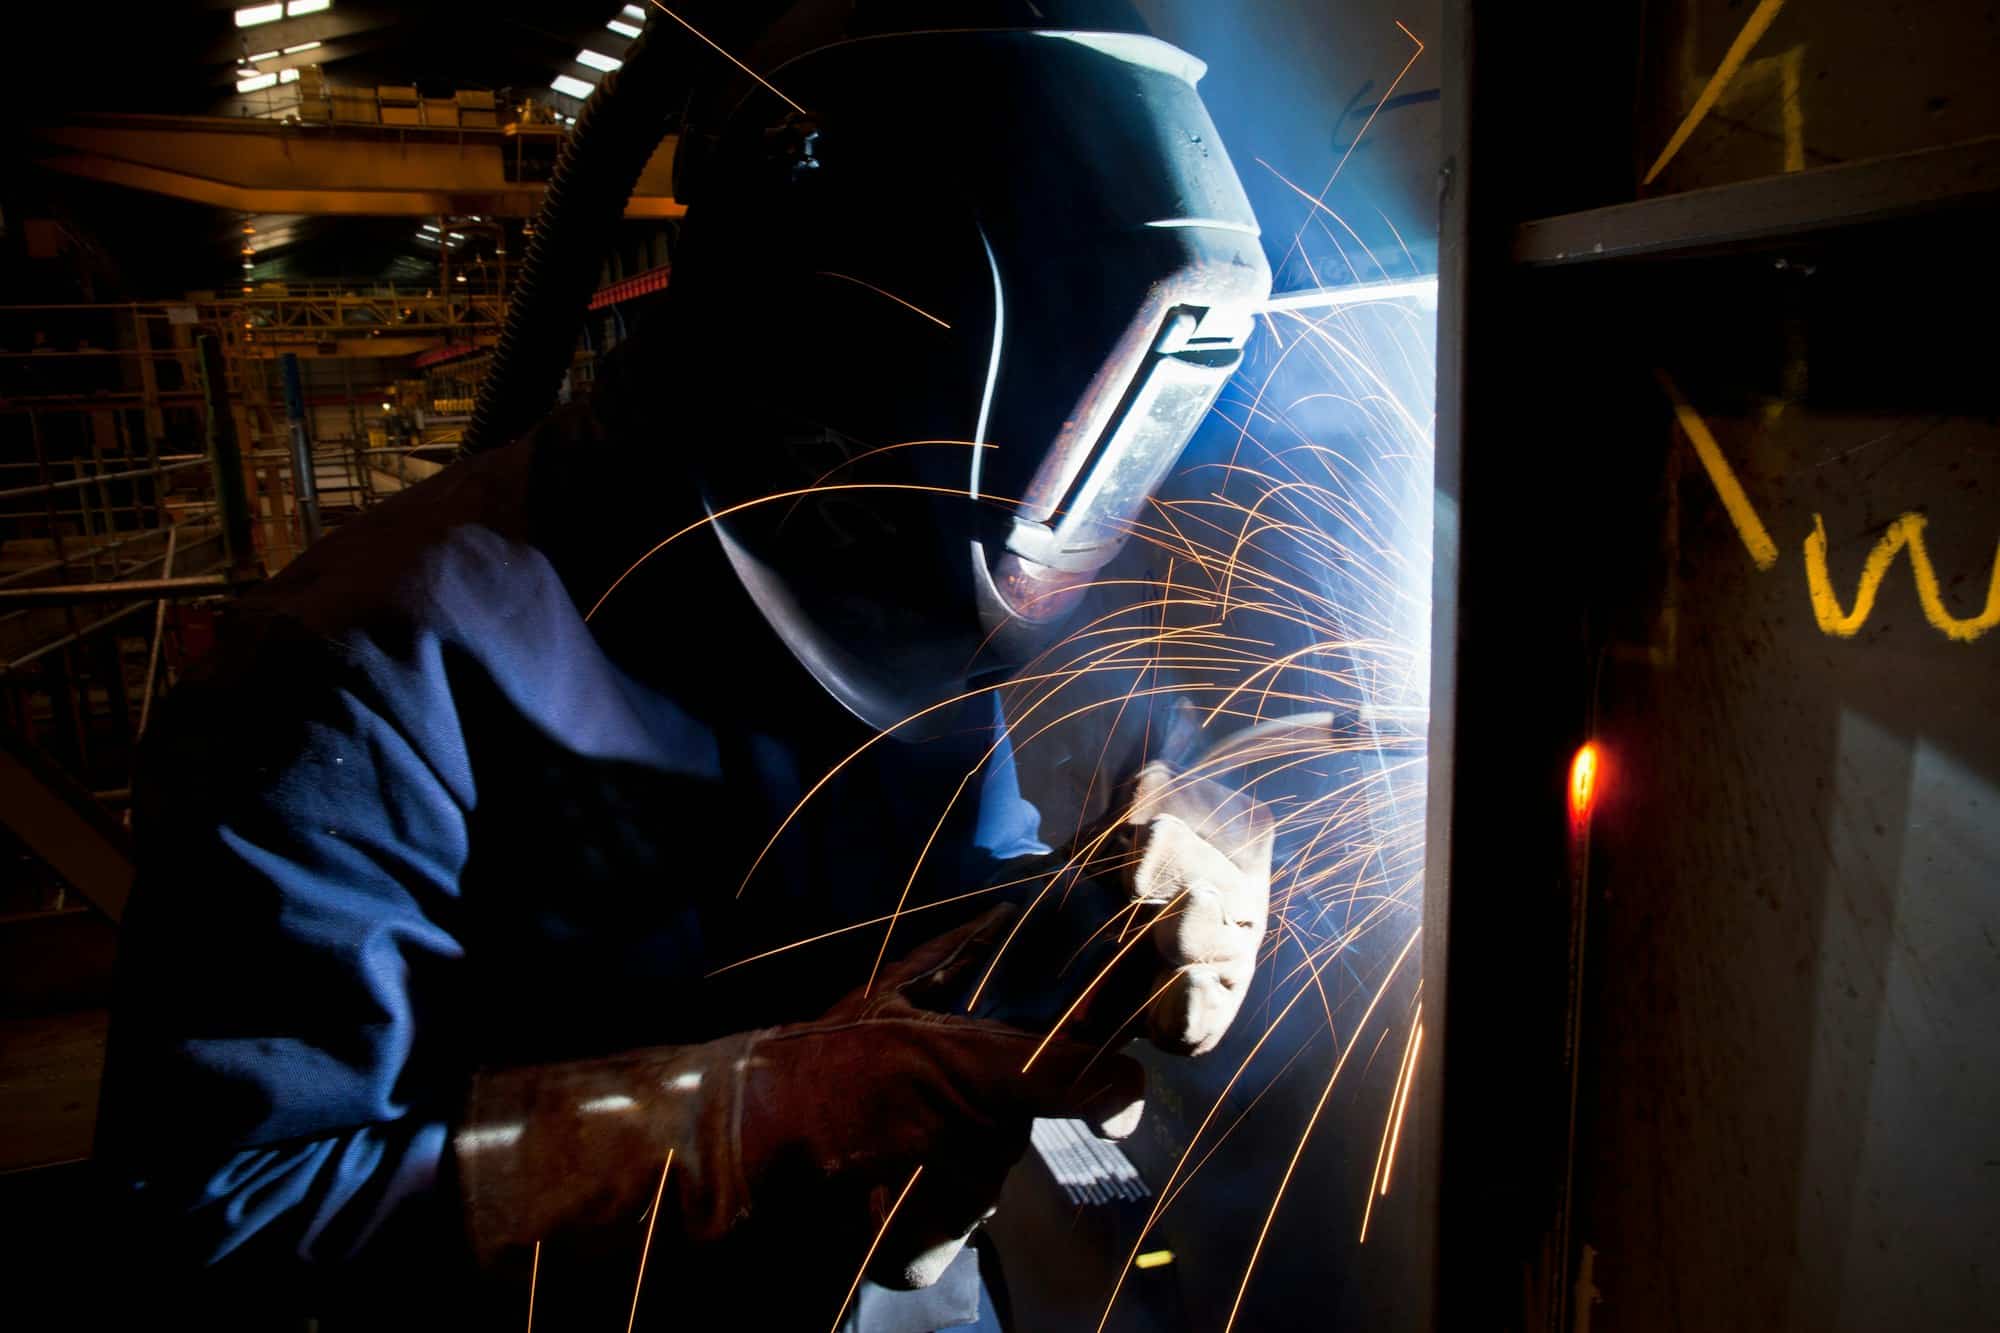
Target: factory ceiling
188 58
235 61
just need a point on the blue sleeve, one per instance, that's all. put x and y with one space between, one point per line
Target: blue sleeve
281 1069
1008 825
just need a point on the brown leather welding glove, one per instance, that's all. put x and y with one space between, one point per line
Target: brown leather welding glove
764 1122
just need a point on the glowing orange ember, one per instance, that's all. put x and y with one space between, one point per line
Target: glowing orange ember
1583 780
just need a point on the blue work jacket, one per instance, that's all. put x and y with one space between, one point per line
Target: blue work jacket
415 816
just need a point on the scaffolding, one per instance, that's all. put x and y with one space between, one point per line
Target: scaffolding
151 463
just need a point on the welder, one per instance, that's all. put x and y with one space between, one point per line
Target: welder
448 849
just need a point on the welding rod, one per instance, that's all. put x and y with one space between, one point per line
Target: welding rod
1060 1157
1355 293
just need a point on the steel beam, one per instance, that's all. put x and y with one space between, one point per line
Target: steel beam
1724 216
59 822
65 594
262 166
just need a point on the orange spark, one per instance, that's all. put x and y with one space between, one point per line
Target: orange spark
652 1217
869 1257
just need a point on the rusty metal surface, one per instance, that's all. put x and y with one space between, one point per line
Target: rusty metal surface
1733 517
1790 979
1818 86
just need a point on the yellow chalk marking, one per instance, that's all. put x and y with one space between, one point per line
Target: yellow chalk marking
1907 531
1739 50
1787 70
1791 66
1748 526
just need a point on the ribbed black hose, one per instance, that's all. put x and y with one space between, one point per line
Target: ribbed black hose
595 173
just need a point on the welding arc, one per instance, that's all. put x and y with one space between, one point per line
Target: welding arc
1276 738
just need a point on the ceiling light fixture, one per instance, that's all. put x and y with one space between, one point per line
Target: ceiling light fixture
303 46
598 60
622 28
256 83
252 15
261 55
288 76
634 12
570 87
298 7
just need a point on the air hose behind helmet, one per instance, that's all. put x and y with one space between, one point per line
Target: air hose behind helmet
596 171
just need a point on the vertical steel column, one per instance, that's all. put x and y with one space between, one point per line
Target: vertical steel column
305 484
225 459
159 635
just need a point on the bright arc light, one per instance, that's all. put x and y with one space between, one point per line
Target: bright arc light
252 15
572 87
298 7
1424 290
1583 780
598 60
622 28
256 82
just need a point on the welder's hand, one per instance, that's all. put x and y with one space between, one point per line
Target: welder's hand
1200 856
956 1095
777 1121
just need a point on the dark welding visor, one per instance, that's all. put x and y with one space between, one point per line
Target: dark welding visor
1000 276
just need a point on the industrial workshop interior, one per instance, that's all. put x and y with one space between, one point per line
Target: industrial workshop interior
1128 666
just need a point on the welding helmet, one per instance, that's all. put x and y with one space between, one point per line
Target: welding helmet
966 292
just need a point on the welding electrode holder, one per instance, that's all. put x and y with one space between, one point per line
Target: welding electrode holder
1150 926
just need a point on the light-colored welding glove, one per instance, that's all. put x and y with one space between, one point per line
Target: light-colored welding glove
1202 857
780 1121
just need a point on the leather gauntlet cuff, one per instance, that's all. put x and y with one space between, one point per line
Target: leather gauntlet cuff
544 1150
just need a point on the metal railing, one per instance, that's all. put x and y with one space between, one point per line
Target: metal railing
150 464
